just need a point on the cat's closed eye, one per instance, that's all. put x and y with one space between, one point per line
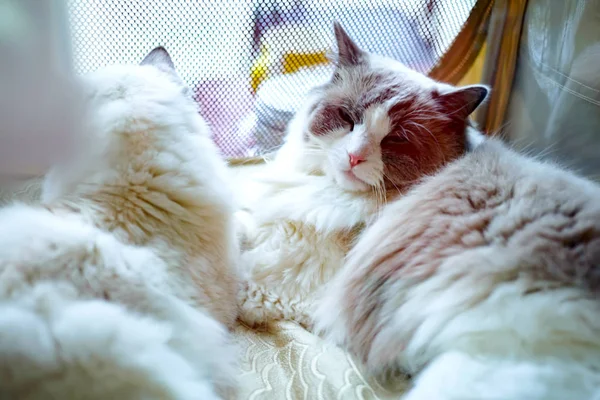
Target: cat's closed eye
394 139
345 116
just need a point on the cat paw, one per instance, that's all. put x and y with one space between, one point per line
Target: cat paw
258 308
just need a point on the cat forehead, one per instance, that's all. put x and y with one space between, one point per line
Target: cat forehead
128 98
363 88
380 80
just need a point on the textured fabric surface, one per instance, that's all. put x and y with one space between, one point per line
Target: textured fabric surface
285 363
292 363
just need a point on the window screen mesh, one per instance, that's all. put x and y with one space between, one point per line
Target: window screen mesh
250 63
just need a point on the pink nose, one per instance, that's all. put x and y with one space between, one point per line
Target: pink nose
355 160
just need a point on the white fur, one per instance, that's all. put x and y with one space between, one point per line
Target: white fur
498 311
59 335
297 233
119 285
150 173
460 376
330 154
362 141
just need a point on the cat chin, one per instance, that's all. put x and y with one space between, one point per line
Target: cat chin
350 182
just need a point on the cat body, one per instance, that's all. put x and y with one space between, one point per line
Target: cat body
294 240
483 280
122 282
363 138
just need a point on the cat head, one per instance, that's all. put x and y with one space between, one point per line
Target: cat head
134 113
377 123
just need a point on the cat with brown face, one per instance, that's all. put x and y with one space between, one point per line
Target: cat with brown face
379 123
371 132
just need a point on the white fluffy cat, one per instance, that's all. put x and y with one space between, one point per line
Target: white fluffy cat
121 284
484 280
370 133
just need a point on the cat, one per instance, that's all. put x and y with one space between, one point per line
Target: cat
361 139
483 280
123 281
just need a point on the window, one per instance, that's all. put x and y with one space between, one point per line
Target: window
250 62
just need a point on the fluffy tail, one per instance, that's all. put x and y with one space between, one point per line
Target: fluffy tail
91 349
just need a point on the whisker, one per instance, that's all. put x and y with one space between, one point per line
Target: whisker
379 198
388 178
439 147
469 104
421 126
383 192
423 113
405 134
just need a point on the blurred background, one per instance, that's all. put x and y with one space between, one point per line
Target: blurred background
251 62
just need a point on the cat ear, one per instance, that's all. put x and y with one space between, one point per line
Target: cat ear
348 53
461 102
159 57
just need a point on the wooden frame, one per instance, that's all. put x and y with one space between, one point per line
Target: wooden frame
505 28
